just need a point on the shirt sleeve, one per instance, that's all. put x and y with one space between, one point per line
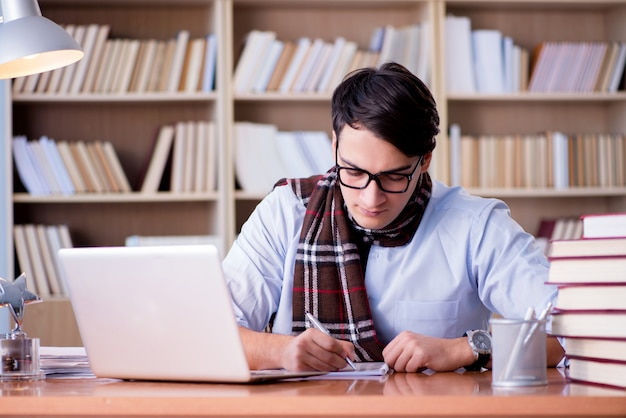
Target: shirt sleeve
511 270
255 264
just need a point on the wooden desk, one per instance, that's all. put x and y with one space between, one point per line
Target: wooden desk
406 395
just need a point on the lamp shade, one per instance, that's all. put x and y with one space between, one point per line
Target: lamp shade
30 43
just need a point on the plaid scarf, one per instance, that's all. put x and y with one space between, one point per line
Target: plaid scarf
329 280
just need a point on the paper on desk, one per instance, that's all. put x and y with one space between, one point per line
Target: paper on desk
364 371
64 362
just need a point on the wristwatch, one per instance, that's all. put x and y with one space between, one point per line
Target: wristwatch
480 342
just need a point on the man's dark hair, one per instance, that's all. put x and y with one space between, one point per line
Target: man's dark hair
390 102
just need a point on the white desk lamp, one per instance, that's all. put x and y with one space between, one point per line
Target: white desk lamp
31 43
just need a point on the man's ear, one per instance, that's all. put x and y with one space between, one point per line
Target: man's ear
334 142
426 162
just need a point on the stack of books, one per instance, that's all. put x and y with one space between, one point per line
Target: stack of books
590 312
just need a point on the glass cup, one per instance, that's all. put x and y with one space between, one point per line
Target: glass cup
518 352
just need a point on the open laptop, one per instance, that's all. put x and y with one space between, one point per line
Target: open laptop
158 313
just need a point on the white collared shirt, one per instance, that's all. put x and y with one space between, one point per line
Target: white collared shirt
467 259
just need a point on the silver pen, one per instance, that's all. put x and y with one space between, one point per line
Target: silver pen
320 327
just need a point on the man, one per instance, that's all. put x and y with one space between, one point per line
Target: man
396 266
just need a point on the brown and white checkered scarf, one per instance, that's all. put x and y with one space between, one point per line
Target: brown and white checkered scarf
329 280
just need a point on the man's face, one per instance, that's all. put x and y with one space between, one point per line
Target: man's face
371 207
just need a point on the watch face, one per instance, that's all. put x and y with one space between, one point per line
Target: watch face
482 341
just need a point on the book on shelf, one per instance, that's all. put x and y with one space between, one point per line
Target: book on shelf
192 69
95 59
36 246
255 48
80 72
70 70
302 48
589 323
577 67
597 371
177 62
23 257
36 260
208 67
158 160
264 155
602 225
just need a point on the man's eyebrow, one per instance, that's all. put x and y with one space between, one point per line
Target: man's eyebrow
394 170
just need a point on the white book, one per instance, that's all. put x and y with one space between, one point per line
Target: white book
312 57
114 164
455 155
334 59
304 44
176 69
318 68
26 169
70 70
105 177
459 67
411 56
189 164
158 160
295 162
210 57
48 261
89 167
254 51
211 157
271 165
72 168
36 259
66 238
96 59
126 66
560 162
389 45
99 84
201 161
318 148
45 166
23 257
268 66
178 159
88 44
58 166
487 47
145 63
193 68
424 62
54 245
343 66
618 70
247 158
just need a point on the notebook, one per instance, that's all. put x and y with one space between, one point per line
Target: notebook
158 313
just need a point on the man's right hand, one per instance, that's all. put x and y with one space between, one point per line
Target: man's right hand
311 350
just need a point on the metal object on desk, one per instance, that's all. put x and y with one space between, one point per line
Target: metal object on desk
19 354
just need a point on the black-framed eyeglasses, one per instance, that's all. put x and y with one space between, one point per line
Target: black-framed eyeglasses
387 181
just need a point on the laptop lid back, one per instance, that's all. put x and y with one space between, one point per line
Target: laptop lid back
159 313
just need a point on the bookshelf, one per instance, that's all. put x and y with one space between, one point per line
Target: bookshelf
131 121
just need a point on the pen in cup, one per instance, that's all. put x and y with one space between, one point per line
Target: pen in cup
320 327
543 315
